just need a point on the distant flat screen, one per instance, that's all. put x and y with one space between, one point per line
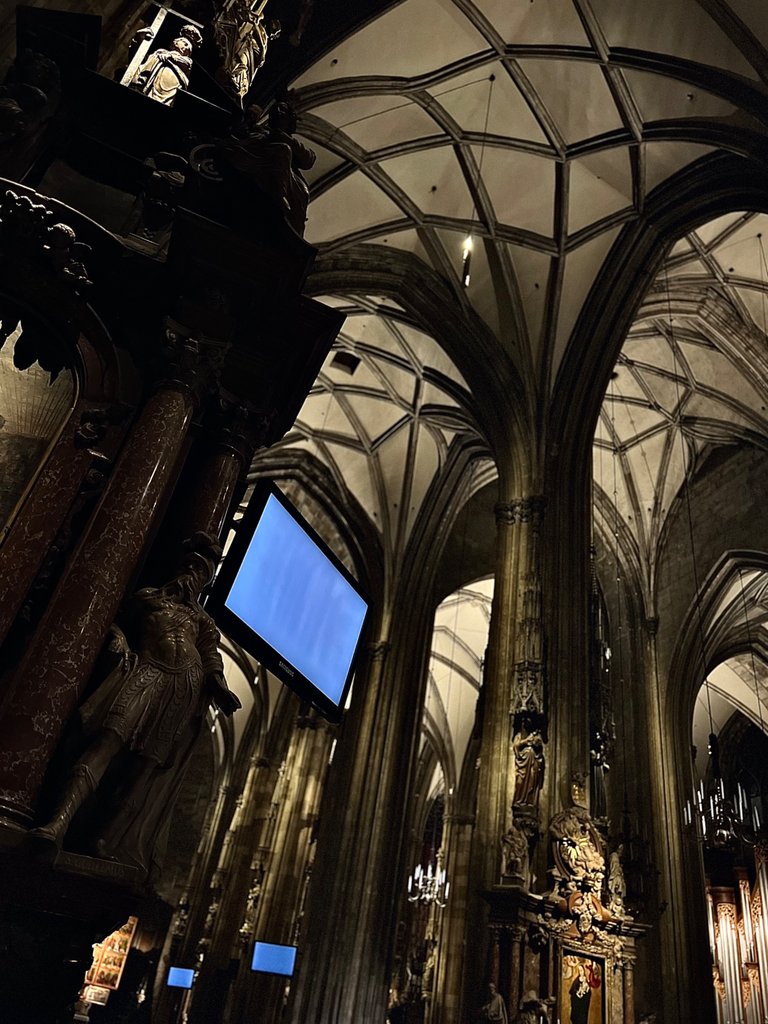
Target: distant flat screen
288 600
180 977
271 959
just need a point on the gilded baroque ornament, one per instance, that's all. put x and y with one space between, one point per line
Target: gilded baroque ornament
577 852
727 912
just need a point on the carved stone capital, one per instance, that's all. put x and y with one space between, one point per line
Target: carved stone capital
187 362
379 649
521 510
235 426
459 819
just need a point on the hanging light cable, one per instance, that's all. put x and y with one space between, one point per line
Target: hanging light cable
752 811
469 243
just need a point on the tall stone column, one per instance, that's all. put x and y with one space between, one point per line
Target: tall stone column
686 985
565 560
242 853
514 680
450 959
217 469
55 670
629 991
277 915
359 863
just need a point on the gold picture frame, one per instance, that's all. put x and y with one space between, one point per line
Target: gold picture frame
583 989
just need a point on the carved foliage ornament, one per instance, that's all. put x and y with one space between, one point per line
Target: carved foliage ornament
521 510
28 229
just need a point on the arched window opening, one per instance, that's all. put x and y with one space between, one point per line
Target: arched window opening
37 393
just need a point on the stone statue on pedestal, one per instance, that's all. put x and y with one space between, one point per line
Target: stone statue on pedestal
243 36
164 72
272 160
528 752
515 857
146 715
495 1009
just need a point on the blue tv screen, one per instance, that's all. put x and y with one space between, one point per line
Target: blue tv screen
285 597
271 959
180 977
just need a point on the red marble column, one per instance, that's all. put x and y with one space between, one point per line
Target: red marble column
51 678
32 532
205 497
220 471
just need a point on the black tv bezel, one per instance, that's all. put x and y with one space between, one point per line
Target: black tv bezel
239 631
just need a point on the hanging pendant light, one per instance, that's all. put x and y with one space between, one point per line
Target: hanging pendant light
467 258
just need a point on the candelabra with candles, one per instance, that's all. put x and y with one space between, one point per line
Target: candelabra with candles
717 818
430 886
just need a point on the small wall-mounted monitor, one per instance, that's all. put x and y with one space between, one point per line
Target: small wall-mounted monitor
271 959
286 598
180 977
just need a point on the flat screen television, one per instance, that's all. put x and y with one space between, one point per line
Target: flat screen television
286 598
180 977
269 958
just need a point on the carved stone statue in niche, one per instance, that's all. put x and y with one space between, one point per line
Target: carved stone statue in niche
577 852
495 1009
515 866
164 72
528 752
242 36
617 887
532 1010
272 160
141 722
